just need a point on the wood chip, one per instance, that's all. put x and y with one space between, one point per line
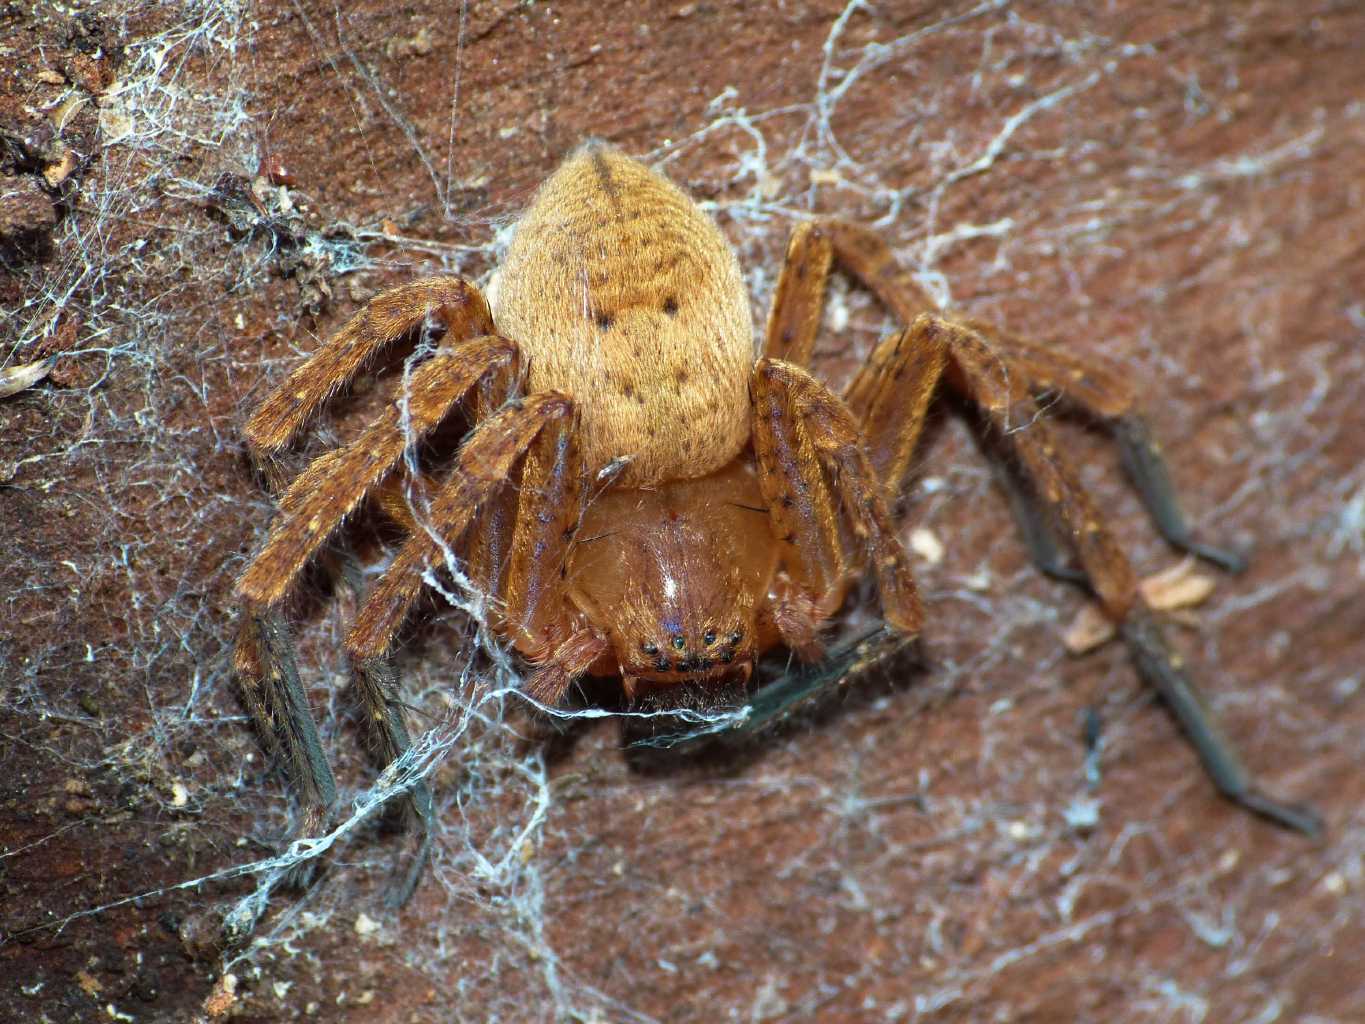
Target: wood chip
63 112
223 997
927 545
17 378
1180 586
89 983
1170 590
55 174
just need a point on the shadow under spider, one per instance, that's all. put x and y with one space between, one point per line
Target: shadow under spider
672 740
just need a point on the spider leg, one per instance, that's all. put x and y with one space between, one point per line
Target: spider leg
376 679
264 663
890 395
487 541
484 465
323 494
569 660
390 315
537 613
794 318
810 528
1035 529
981 373
378 684
1104 394
802 431
1090 385
1163 670
334 484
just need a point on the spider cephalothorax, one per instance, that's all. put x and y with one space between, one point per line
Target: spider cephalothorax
679 576
642 497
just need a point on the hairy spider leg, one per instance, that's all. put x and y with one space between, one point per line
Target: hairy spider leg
794 478
264 662
264 658
1101 393
977 370
377 682
1001 373
799 298
801 432
1090 385
891 394
551 487
331 487
484 465
403 497
538 617
448 301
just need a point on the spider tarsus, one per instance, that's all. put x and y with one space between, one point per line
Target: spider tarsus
1296 817
1146 467
303 874
1157 665
408 870
296 732
1226 559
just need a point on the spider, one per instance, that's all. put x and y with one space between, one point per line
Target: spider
642 497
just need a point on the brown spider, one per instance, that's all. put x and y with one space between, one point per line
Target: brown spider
640 496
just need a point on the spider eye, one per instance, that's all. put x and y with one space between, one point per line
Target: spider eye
678 642
736 636
709 637
648 647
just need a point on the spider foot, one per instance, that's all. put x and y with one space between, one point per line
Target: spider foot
316 822
1146 467
1225 558
410 864
1162 670
1299 817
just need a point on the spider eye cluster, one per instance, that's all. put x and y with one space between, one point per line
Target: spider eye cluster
715 648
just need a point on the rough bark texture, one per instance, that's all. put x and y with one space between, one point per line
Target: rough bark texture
1175 186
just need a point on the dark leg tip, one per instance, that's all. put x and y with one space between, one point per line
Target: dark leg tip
1225 559
1065 574
302 874
409 868
1298 817
407 873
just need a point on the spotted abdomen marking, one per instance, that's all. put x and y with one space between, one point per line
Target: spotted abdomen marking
622 293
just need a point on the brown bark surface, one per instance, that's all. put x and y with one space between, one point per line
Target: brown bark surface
190 199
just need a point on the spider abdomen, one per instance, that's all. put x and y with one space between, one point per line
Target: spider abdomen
624 294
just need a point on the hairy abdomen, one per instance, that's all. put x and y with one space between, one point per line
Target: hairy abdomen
624 295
